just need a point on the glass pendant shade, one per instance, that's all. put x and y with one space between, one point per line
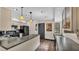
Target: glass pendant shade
30 21
21 17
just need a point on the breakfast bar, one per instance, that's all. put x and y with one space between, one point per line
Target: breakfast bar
26 43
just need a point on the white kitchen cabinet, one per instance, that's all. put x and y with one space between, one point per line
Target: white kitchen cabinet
5 18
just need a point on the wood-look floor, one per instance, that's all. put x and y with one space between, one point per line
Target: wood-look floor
46 45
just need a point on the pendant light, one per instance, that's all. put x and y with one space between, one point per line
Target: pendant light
21 17
54 14
30 21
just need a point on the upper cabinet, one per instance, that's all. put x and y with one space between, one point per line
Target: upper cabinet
5 18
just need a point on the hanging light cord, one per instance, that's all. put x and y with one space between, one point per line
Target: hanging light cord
30 15
54 14
21 11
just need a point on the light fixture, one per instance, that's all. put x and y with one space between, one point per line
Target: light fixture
30 21
54 14
21 17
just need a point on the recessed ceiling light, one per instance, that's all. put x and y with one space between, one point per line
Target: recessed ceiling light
41 11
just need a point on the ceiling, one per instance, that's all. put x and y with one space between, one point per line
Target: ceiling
38 13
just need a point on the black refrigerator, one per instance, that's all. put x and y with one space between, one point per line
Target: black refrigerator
24 30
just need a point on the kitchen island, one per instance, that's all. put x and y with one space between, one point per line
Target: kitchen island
26 43
64 43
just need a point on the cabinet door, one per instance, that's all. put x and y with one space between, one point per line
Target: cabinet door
5 18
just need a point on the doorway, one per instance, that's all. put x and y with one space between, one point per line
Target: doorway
41 30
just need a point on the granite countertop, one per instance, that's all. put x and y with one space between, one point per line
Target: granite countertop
72 36
66 44
9 42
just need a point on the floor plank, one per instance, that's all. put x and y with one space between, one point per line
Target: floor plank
46 45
